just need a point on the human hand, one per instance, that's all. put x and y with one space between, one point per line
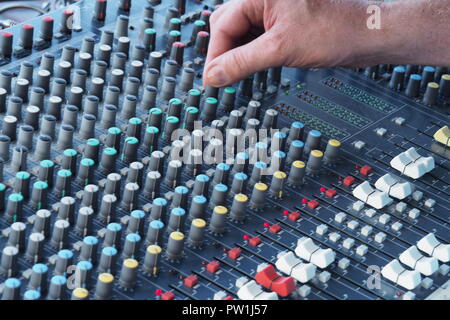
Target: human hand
252 35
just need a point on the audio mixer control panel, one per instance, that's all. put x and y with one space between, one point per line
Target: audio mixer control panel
122 177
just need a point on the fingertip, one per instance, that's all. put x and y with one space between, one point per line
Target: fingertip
215 75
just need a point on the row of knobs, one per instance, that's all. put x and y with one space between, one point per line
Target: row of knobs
157 213
46 34
434 81
72 169
26 40
413 79
47 125
112 236
56 288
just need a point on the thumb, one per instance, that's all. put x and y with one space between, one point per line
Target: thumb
236 64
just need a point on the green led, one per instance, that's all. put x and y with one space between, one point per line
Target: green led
368 99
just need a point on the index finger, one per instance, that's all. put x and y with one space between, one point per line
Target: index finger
233 24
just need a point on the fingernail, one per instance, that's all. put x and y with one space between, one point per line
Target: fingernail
217 77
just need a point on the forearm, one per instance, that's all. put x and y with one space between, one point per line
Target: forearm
412 32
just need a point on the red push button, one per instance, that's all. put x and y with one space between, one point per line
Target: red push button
330 193
234 253
275 228
348 181
168 295
313 204
190 281
255 241
266 276
294 216
365 170
270 279
283 286
213 266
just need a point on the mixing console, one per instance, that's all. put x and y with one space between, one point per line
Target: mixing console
123 178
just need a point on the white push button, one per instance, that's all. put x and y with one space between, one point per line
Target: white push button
430 245
289 264
375 198
412 258
394 272
395 188
412 164
309 251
